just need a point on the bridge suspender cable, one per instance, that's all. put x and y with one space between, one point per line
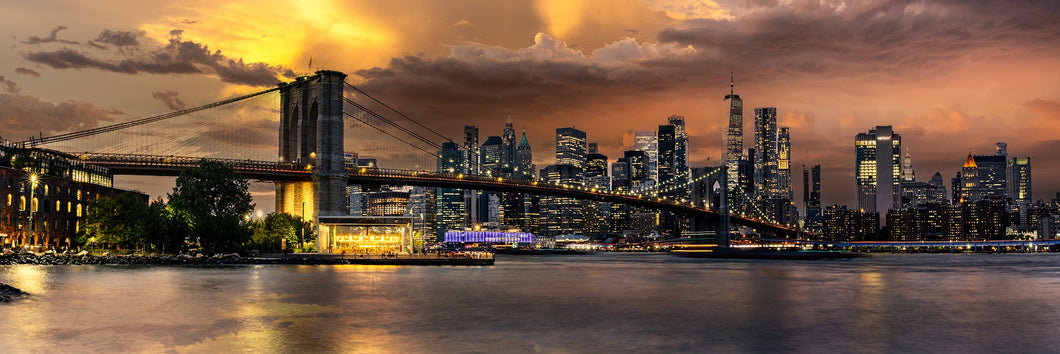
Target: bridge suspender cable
387 133
114 127
392 123
399 113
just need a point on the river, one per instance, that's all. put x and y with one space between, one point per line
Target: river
611 302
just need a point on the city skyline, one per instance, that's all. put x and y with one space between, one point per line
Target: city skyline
948 76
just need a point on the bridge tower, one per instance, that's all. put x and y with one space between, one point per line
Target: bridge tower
709 190
311 132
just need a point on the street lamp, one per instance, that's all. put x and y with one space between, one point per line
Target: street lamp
31 185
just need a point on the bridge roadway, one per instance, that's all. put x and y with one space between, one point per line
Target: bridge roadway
151 165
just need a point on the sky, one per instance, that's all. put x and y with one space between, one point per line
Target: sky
950 76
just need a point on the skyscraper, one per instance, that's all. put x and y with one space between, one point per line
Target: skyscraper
766 156
734 135
1020 179
783 189
524 159
450 202
647 141
970 189
561 215
491 156
992 173
667 152
571 148
877 169
681 171
508 145
813 198
471 152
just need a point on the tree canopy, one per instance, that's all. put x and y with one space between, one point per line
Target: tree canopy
214 200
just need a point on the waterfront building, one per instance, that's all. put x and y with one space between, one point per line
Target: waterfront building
877 169
44 196
812 198
734 135
648 142
561 215
596 213
766 159
368 235
842 224
517 206
387 203
452 214
422 210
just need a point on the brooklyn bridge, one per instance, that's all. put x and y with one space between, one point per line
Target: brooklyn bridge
321 117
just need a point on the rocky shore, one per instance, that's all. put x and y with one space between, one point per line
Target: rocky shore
9 293
223 259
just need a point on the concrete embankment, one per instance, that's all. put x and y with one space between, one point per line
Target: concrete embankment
235 259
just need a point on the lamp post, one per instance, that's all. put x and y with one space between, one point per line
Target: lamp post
31 184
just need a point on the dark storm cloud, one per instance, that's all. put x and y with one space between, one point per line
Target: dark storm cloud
177 57
118 38
27 72
882 37
170 98
25 116
52 37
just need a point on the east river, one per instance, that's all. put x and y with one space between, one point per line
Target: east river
602 303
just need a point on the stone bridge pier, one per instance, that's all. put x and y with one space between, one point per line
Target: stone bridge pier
311 132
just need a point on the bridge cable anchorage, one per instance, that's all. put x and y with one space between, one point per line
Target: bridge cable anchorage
387 133
392 123
34 142
398 112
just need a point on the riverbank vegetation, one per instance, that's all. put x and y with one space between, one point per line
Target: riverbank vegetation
208 211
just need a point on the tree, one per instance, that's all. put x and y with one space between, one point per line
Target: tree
214 201
269 233
120 221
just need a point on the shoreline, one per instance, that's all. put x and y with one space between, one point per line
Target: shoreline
234 259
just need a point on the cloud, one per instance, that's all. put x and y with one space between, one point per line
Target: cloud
52 37
170 98
463 23
894 40
177 57
27 72
119 38
9 86
25 116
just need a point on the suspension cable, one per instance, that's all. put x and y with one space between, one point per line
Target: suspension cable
114 127
398 112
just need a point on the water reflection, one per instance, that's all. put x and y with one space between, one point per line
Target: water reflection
600 303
